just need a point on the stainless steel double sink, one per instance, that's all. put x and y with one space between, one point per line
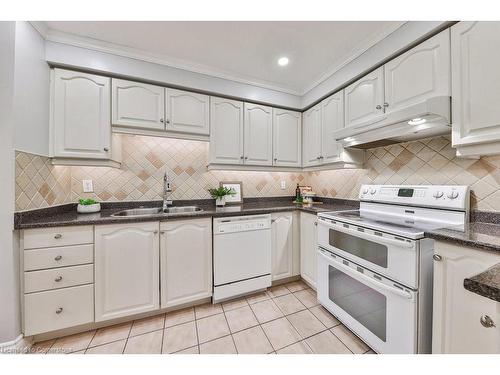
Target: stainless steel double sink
135 212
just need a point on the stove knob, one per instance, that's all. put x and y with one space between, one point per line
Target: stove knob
373 191
365 191
438 194
453 195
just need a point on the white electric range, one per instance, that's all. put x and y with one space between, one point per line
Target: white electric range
375 266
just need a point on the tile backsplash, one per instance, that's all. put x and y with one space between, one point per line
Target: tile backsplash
145 159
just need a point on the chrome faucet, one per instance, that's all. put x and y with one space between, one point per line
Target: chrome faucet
166 190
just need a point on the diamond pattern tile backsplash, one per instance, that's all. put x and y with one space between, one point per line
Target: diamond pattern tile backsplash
145 159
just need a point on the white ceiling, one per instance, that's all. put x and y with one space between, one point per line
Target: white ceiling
242 51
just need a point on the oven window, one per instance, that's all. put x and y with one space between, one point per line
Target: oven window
370 251
366 305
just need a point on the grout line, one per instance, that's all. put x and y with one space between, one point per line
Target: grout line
126 342
231 333
88 345
163 332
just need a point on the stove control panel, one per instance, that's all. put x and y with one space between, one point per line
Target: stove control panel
440 196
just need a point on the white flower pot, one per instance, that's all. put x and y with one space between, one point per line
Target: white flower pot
220 202
91 208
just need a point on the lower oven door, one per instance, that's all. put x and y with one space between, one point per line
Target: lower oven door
381 312
389 255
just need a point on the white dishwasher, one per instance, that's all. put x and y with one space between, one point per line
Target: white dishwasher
242 255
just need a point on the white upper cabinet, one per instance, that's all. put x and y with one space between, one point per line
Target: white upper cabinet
364 99
332 120
312 136
258 137
137 105
126 269
420 73
185 261
187 112
81 126
287 139
475 60
226 131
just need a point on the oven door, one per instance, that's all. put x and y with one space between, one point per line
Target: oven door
381 312
388 255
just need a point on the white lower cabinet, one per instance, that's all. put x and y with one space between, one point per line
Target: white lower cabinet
457 312
283 244
185 261
308 247
126 269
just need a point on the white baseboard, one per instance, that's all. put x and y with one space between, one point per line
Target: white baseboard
19 345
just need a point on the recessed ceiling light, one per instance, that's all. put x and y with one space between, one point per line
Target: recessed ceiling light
283 61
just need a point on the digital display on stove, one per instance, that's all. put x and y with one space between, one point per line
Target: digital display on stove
405 193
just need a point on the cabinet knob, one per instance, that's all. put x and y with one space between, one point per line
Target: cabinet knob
246 157
275 159
386 105
59 310
168 121
378 106
58 278
487 322
162 232
162 120
155 232
58 236
106 149
242 157
437 257
59 257
315 223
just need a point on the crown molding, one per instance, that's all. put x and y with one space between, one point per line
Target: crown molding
357 52
161 59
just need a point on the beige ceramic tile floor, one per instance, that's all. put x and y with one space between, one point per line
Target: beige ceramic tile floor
286 319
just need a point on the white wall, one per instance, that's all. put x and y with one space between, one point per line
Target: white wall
31 92
106 63
396 42
9 262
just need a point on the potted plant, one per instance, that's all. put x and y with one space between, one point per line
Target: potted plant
86 206
219 194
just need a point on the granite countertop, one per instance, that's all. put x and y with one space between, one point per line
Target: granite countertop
66 215
486 284
485 236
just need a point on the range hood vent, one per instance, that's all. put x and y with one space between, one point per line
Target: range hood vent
426 119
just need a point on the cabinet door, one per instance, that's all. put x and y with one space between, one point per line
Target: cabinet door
364 99
287 140
126 269
137 105
258 148
308 245
226 131
475 82
187 112
282 245
420 73
185 261
81 115
457 311
312 136
332 120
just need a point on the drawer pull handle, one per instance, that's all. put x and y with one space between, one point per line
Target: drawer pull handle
57 236
59 310
58 278
59 257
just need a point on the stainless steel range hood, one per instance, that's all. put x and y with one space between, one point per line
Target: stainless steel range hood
426 119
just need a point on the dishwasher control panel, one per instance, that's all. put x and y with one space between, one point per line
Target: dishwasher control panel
242 224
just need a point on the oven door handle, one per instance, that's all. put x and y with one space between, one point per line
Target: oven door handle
369 237
359 276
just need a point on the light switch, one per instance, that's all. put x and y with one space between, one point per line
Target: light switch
283 184
88 187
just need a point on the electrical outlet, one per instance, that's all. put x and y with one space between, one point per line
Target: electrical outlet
88 187
283 184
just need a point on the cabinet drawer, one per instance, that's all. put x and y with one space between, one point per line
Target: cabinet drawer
58 309
52 257
36 281
58 236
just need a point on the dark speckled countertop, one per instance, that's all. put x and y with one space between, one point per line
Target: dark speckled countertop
66 215
486 284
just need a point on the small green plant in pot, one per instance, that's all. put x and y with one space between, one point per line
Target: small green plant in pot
220 194
86 206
